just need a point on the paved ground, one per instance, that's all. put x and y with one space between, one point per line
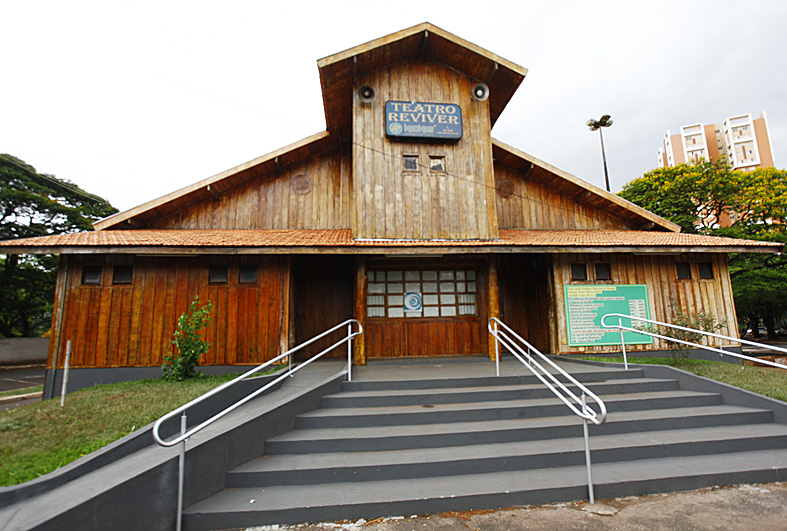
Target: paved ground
743 507
11 379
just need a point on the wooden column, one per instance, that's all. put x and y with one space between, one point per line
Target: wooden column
359 310
493 301
285 332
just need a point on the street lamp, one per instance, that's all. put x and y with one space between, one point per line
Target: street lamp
604 121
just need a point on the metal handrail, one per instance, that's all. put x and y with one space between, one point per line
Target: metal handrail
184 434
567 396
256 393
621 327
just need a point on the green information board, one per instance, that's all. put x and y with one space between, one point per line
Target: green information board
587 305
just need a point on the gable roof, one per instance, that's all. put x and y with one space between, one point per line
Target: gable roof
211 187
423 41
581 191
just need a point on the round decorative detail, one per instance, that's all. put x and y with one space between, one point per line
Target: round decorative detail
301 185
505 189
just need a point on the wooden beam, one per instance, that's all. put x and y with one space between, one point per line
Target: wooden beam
493 301
359 311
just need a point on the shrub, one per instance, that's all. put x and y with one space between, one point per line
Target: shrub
188 342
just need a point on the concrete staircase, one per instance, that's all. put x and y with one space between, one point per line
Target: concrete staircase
402 440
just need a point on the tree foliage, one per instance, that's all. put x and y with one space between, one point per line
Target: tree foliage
35 204
704 196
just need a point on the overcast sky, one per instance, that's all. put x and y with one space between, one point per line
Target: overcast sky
134 99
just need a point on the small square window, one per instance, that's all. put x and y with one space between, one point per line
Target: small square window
603 271
218 274
705 269
579 271
437 163
411 162
247 274
91 274
122 274
683 270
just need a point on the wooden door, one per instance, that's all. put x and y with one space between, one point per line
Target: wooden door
525 304
451 318
322 298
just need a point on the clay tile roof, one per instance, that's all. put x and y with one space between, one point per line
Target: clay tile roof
300 240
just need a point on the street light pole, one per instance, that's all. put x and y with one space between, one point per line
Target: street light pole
604 121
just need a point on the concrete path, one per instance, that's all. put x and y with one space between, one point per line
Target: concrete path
736 508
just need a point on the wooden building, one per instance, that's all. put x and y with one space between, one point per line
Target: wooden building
404 214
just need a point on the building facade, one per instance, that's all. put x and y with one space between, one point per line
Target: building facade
744 142
405 214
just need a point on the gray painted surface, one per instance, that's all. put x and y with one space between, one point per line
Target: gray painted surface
23 350
138 490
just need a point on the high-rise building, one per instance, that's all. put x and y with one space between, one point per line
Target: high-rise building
744 142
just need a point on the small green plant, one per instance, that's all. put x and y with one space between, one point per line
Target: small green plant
705 322
188 342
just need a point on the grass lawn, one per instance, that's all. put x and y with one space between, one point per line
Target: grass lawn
38 438
768 382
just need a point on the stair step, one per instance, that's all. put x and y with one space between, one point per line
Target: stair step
451 395
585 375
477 411
294 504
297 469
362 439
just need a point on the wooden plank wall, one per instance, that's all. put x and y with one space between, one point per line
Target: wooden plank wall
664 290
131 325
316 195
393 203
523 203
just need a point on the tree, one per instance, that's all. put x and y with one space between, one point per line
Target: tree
189 343
35 204
695 196
698 197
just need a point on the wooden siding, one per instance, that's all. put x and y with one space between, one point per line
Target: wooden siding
524 203
314 195
393 203
131 325
665 291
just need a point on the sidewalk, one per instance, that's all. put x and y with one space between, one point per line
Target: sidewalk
736 508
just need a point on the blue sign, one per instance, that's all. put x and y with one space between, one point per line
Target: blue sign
413 119
412 302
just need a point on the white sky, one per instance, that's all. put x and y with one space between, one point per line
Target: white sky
134 99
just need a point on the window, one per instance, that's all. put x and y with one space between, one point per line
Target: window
416 293
218 274
91 274
122 274
436 163
411 162
683 270
247 274
603 271
579 271
705 269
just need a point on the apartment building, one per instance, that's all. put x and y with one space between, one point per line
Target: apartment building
745 143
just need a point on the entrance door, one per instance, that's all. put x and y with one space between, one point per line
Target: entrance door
525 302
431 310
322 298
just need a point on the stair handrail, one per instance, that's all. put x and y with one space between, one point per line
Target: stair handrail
290 372
184 434
621 327
566 395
